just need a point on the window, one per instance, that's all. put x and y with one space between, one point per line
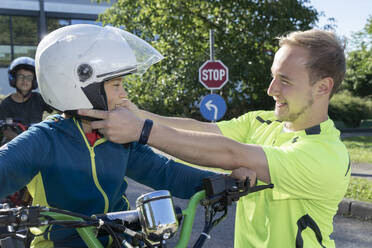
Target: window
24 30
18 37
5 44
54 23
25 36
79 21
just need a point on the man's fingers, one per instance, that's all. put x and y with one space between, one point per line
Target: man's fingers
101 125
102 132
99 114
243 173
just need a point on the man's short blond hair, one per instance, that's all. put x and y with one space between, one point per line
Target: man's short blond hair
326 54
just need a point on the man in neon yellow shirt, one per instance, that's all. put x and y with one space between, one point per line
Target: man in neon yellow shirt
296 147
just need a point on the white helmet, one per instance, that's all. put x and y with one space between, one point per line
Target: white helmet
73 62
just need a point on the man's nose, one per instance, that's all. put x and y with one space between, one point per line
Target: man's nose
273 87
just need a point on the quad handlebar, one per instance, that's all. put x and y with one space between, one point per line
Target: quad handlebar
153 222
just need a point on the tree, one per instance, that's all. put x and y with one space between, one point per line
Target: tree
245 40
358 78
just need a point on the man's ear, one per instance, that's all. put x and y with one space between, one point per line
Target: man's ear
323 87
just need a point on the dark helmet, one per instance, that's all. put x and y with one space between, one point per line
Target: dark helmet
26 63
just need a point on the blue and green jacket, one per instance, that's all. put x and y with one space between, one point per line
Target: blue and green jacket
64 171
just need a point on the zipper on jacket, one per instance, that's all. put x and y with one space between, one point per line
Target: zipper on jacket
93 165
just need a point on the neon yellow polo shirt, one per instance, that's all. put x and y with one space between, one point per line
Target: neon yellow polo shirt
310 171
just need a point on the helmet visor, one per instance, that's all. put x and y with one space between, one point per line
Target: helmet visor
144 53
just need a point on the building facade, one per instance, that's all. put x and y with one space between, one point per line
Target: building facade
23 23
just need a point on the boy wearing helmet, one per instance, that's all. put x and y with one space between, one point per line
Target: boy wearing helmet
70 165
23 105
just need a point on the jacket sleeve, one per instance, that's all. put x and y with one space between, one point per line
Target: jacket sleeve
159 172
21 159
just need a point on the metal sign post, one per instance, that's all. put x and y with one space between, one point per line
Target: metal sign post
213 75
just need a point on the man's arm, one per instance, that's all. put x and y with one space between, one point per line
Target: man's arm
175 122
210 150
206 149
159 172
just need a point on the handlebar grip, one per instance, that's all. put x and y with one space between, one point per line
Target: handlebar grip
125 216
220 184
129 219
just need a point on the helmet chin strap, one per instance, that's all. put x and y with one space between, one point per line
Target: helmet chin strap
75 114
23 95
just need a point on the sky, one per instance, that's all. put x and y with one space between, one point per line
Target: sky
350 15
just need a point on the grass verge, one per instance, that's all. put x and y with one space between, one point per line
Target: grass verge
360 189
360 148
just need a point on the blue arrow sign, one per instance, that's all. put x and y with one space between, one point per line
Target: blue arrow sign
213 107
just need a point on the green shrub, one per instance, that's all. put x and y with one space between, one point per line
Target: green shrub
350 109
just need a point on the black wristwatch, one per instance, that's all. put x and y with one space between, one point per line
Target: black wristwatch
145 133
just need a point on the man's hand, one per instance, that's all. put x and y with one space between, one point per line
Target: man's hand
119 125
131 106
243 173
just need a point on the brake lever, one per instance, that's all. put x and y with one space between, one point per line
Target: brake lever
261 187
225 190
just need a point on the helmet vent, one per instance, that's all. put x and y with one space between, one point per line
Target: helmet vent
84 71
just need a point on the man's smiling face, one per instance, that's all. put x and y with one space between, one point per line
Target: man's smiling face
290 86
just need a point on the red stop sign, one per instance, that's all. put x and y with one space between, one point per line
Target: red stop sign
213 74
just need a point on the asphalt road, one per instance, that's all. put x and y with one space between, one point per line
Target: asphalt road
352 233
348 232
